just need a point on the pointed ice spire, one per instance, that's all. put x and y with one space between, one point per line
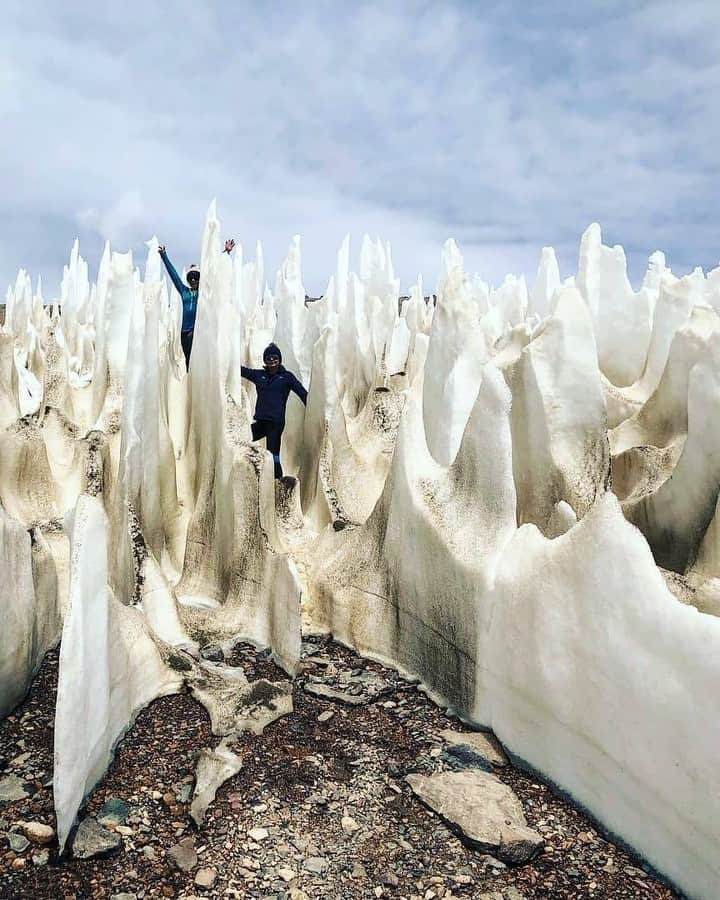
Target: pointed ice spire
341 275
588 275
655 271
547 282
451 260
153 263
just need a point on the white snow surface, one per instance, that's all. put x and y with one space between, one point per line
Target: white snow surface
509 493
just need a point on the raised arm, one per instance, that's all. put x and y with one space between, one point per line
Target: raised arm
250 374
172 272
296 387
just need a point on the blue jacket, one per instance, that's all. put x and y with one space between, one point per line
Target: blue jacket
189 297
273 392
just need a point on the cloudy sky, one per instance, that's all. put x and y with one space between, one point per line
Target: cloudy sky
506 125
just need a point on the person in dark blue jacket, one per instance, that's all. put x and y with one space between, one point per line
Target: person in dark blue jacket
189 296
273 384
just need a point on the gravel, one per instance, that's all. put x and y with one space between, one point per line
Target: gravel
320 809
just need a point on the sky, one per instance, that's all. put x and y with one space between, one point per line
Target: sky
508 126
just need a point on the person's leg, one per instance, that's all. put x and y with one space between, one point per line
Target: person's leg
186 341
259 430
274 436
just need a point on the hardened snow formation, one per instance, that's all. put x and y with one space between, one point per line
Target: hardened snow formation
507 494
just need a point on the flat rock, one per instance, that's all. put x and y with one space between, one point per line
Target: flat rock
328 693
91 839
12 789
183 854
315 864
212 652
18 842
213 769
124 897
486 813
38 832
485 745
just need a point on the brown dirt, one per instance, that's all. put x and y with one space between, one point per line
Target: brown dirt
298 781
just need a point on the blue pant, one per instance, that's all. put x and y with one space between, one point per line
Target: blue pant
186 342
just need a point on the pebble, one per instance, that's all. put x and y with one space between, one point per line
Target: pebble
38 832
12 789
258 834
286 874
184 855
636 873
124 897
184 794
315 864
41 858
18 842
212 652
91 839
206 878
19 761
326 716
349 825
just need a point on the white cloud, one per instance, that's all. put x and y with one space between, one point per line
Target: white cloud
498 125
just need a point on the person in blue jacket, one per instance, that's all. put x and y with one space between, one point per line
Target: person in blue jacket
189 296
273 384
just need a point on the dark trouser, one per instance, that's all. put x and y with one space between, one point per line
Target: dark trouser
272 432
186 339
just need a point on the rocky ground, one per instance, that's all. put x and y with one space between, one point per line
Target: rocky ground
320 808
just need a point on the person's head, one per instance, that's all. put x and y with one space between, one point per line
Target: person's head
272 358
193 278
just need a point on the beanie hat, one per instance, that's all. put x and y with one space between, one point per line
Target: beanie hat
272 350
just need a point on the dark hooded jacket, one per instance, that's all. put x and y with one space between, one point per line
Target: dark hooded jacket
273 390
